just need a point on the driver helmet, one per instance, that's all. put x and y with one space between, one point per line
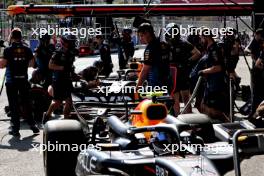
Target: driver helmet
70 39
171 34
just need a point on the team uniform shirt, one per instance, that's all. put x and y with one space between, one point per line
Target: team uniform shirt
65 59
195 41
231 54
128 48
61 79
105 54
255 48
215 94
257 75
165 52
215 81
159 73
125 52
181 52
44 53
18 57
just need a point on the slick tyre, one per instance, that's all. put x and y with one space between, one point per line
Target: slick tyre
61 139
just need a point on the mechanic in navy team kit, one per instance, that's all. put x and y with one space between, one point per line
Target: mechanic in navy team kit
43 54
215 102
257 118
259 69
183 54
105 55
196 66
17 58
257 74
156 68
231 49
194 39
90 76
61 65
125 48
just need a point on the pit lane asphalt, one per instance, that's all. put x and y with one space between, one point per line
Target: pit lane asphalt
19 158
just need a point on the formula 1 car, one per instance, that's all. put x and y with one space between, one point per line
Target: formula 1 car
198 127
141 157
95 129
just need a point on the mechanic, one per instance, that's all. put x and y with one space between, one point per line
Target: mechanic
61 64
90 74
216 89
17 58
194 39
259 73
125 48
166 55
155 71
255 48
99 65
105 55
43 54
183 54
196 66
232 46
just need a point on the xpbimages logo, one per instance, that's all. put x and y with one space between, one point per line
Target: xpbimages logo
80 32
62 147
190 30
117 89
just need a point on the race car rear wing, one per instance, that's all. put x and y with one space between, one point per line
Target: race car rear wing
180 9
106 108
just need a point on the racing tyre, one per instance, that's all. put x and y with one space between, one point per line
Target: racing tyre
62 140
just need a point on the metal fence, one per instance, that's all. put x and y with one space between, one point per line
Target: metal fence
5 25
